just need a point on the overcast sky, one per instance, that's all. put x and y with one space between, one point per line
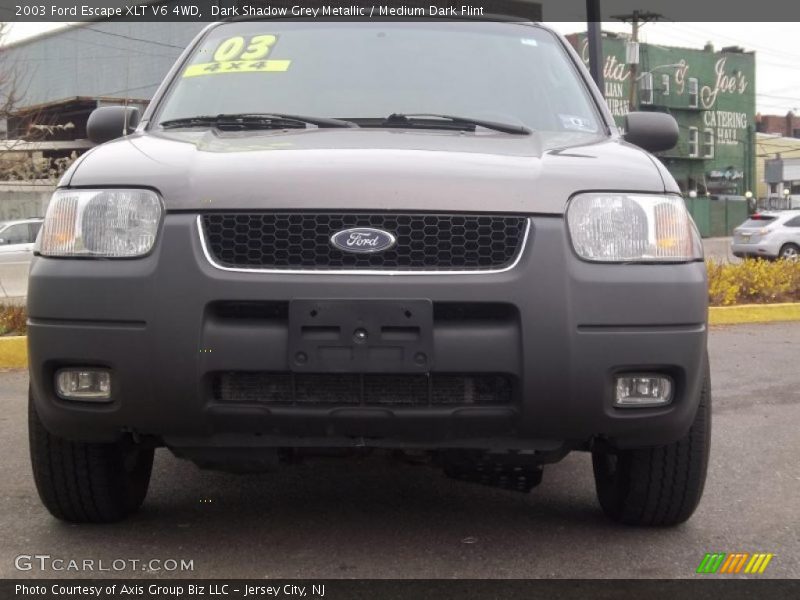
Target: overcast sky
777 47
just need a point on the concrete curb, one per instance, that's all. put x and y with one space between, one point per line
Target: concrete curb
753 313
14 349
13 352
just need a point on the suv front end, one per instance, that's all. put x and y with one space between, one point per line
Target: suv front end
237 289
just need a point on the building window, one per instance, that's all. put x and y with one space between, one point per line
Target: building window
693 92
708 143
665 84
693 142
796 133
646 89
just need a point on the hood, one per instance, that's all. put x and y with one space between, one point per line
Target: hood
367 169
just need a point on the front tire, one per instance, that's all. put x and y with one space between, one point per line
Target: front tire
84 482
660 485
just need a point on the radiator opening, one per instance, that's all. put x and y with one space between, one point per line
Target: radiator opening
357 389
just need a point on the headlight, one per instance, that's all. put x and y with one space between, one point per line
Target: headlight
632 228
100 223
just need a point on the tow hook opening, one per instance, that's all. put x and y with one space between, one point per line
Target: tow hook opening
511 471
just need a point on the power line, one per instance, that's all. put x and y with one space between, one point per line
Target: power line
791 98
692 38
766 145
140 87
72 58
783 89
777 106
118 35
102 45
136 39
757 47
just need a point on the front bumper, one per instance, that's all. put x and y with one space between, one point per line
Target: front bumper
571 326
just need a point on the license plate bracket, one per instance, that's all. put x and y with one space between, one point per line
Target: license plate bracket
360 336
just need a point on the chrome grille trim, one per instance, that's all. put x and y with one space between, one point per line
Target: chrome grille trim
383 272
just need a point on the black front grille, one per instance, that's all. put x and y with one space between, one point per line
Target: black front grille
424 241
352 389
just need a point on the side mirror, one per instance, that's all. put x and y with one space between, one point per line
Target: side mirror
653 131
110 122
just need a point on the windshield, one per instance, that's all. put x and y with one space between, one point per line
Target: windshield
499 72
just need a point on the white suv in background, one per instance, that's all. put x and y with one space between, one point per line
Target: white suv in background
17 239
772 234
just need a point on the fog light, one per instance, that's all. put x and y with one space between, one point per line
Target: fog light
642 391
89 385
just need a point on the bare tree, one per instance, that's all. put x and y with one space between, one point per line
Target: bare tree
9 100
21 127
9 89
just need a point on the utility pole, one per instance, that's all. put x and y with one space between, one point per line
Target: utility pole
632 51
595 40
632 100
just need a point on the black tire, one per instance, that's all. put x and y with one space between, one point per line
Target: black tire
87 483
660 485
789 252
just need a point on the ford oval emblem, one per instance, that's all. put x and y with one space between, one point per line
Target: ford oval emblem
363 240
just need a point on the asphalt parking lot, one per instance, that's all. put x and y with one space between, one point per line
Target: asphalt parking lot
719 250
376 518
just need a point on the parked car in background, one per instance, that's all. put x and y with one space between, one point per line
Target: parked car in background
769 234
17 238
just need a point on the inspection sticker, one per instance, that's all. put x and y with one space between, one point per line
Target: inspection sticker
237 66
576 123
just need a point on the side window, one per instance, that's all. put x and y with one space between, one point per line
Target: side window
708 143
665 84
646 89
693 142
693 94
16 234
34 229
793 222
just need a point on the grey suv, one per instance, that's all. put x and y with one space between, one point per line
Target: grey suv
426 237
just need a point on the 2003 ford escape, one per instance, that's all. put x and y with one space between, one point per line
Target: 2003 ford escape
422 236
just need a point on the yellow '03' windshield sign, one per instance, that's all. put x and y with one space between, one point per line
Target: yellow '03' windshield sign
241 55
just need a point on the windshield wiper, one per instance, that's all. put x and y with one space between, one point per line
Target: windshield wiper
239 121
408 120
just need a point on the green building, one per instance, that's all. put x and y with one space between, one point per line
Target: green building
712 96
